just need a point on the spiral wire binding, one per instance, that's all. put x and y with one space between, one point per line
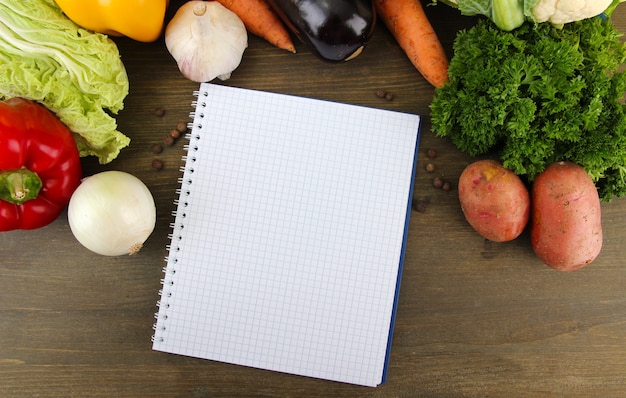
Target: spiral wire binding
169 271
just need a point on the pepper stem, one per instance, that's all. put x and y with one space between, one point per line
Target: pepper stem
18 186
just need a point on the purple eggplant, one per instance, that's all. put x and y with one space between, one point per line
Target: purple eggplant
334 30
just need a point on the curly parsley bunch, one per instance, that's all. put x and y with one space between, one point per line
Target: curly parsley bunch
537 95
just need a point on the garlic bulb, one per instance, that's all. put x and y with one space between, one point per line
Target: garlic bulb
112 213
206 39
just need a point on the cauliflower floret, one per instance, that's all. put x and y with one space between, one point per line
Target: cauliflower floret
565 11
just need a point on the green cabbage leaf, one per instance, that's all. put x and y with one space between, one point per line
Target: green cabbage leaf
75 73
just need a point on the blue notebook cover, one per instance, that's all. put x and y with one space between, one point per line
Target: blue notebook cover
289 235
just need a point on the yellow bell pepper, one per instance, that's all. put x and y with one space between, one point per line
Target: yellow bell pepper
141 20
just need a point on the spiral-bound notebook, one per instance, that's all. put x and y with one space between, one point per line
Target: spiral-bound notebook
289 235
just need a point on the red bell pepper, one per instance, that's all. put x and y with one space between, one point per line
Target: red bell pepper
39 165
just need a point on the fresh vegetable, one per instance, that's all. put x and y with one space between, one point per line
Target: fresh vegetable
537 95
507 14
75 73
112 213
138 19
206 39
511 14
261 20
566 226
410 26
39 165
335 30
494 201
561 12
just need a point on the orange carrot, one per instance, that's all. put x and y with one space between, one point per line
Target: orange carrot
408 23
261 20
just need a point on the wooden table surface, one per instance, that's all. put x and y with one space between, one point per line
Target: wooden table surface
475 318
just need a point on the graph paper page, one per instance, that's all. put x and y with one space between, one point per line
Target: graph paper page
289 235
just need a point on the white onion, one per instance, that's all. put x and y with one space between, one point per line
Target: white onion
112 213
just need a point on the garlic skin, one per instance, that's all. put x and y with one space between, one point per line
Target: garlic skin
206 40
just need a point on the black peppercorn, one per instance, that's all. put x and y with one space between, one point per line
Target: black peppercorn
175 133
157 164
419 205
437 182
156 148
168 140
181 127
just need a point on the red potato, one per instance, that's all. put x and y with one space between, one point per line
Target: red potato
494 200
566 225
